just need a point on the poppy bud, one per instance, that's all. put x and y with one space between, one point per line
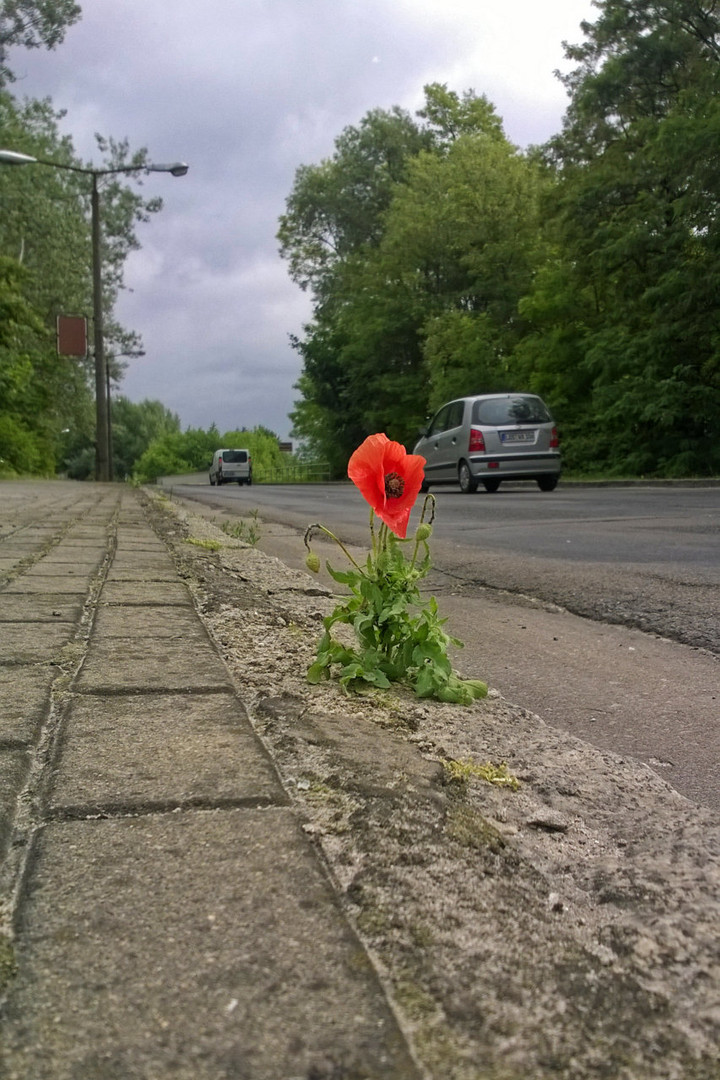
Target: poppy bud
423 531
313 562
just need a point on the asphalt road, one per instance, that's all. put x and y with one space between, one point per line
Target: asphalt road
597 608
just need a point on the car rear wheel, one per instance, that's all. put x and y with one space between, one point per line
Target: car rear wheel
491 485
212 482
468 483
547 483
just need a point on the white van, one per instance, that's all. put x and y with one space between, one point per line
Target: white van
231 466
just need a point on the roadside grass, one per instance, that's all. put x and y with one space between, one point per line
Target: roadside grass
247 531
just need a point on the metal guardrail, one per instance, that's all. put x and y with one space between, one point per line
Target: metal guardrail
311 473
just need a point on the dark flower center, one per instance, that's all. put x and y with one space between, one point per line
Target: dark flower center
394 485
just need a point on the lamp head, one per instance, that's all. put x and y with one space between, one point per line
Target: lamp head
178 168
12 157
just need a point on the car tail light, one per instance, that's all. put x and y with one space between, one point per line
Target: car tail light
220 460
477 441
554 440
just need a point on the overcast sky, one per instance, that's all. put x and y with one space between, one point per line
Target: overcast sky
246 91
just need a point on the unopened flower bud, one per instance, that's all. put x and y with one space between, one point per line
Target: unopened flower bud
313 562
423 531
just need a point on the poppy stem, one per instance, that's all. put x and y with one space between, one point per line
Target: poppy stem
415 552
317 525
429 500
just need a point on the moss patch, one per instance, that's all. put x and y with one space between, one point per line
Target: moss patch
469 828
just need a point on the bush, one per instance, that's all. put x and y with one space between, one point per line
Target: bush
192 451
23 452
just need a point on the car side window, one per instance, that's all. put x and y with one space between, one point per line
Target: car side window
439 422
456 410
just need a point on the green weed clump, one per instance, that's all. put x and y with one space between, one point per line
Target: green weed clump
247 531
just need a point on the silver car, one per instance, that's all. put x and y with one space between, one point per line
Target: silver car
490 438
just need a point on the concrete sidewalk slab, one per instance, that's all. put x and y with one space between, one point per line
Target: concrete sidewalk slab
19 550
153 568
24 702
68 568
91 539
144 751
41 583
88 557
41 607
34 643
178 623
114 665
135 540
14 769
192 946
146 592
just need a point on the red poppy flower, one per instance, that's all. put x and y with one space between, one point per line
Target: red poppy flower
388 478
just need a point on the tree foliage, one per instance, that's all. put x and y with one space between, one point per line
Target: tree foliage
176 452
45 236
637 228
135 426
587 270
33 24
444 255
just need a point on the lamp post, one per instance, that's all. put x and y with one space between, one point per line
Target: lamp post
102 425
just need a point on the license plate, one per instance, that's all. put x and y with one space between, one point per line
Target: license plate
517 436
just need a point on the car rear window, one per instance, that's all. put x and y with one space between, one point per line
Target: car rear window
236 457
495 412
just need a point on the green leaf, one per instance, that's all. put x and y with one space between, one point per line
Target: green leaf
318 672
343 577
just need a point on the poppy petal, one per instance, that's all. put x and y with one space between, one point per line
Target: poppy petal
388 478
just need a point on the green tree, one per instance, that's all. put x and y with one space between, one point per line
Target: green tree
448 116
33 24
134 427
462 233
637 232
405 313
24 444
263 445
176 452
334 220
336 207
46 227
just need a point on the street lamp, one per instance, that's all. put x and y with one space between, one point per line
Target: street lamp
102 429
